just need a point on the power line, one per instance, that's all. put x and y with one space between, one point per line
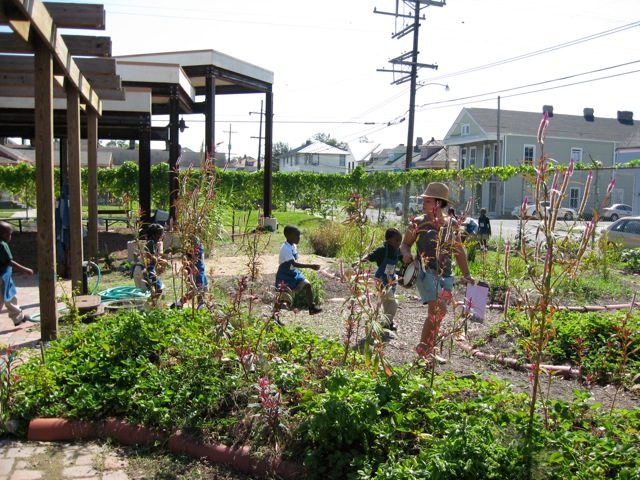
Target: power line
541 83
539 52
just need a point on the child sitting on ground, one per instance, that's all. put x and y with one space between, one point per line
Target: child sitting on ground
7 287
195 276
152 258
288 271
387 257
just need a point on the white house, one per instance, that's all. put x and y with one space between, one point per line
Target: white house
315 157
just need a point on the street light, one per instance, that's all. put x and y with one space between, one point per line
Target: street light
261 113
409 153
446 87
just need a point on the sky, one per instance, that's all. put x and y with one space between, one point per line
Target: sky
571 54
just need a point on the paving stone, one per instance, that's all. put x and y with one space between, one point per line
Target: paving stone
85 459
6 464
80 471
27 475
25 452
115 476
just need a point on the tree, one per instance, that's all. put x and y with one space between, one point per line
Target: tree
329 140
279 148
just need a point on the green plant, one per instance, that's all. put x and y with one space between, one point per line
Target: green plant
300 301
631 259
328 241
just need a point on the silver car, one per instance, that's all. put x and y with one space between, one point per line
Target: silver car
616 211
625 231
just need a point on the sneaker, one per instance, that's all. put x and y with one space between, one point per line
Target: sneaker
438 358
22 320
202 306
393 327
313 309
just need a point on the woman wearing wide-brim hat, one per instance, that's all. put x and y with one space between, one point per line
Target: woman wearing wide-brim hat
436 239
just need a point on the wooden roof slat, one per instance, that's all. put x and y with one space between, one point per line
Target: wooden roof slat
16 63
16 79
102 66
104 82
84 45
111 94
11 42
42 23
87 45
77 15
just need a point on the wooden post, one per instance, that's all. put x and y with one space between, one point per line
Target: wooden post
268 154
210 114
144 169
92 183
75 192
43 96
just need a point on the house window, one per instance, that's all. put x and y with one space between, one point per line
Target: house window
576 154
617 196
529 154
297 162
315 161
308 158
463 157
465 129
574 197
495 154
487 155
343 158
472 157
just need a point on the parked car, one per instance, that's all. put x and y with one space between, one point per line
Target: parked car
415 206
564 213
625 231
616 211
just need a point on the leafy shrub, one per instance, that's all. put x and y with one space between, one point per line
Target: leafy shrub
589 340
328 240
631 259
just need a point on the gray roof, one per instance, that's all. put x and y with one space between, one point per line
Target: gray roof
563 126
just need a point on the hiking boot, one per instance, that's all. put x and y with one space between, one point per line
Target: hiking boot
313 309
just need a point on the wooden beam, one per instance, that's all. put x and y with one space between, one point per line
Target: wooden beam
10 79
11 42
42 24
77 15
75 189
45 193
103 66
92 183
111 94
16 63
88 46
104 82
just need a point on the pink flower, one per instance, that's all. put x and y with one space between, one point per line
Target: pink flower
542 129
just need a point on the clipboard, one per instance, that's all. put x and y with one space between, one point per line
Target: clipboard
475 301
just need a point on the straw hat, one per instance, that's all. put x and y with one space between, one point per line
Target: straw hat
437 190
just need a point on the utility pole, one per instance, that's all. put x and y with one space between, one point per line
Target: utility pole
229 132
259 137
409 59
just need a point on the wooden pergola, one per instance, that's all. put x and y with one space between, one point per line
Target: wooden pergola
69 87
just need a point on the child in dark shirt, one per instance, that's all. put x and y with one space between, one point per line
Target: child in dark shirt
387 257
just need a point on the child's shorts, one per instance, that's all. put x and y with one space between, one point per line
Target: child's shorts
430 285
301 286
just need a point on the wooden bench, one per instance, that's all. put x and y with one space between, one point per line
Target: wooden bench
112 219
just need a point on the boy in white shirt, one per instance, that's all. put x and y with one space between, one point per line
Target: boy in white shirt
288 271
